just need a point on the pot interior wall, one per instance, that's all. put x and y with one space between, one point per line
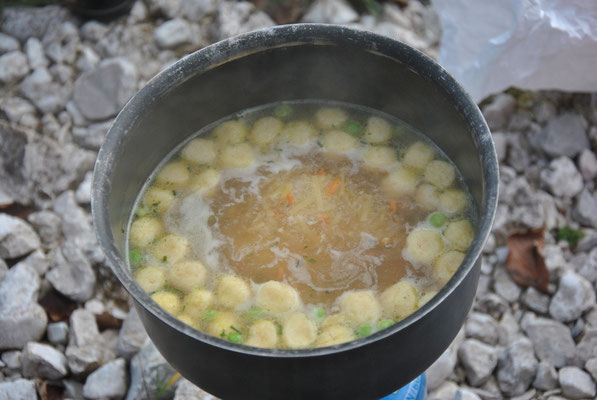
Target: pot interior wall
315 71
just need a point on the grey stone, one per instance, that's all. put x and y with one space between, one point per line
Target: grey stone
102 92
451 391
479 360
62 73
93 30
562 178
163 8
35 53
443 367
185 390
535 300
108 381
13 66
551 339
587 163
86 350
91 137
591 366
233 18
76 116
173 33
505 286
20 389
83 193
587 347
25 22
574 296
588 269
507 329
72 389
47 224
576 383
12 359
36 261
500 140
21 324
546 377
16 107
330 12
43 361
17 237
58 332
196 10
132 335
564 135
138 13
591 317
72 274
482 327
498 112
20 286
3 269
88 59
47 95
491 304
148 371
61 43
584 210
517 367
8 43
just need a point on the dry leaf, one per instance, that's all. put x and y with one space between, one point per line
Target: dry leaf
58 307
106 320
49 391
525 262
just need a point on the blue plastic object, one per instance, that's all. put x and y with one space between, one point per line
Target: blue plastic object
416 390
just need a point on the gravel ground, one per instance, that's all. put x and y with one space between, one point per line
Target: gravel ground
65 325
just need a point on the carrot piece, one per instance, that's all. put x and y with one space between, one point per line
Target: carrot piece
393 206
333 186
325 218
290 198
320 172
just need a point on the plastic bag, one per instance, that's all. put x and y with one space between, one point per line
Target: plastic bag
490 45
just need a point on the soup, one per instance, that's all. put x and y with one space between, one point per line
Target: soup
300 225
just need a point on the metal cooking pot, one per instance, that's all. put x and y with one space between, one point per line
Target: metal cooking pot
284 63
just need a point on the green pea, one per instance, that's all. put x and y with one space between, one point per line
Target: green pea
384 324
437 220
320 313
254 313
135 257
209 315
364 330
353 127
283 111
235 337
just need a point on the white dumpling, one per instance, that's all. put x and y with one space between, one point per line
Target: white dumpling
460 234
144 231
338 142
187 275
427 196
197 302
426 297
452 201
424 245
333 335
440 173
330 118
230 132
265 131
335 319
379 157
377 130
171 249
200 151
232 292
400 181
158 200
360 307
446 264
222 323
399 300
237 156
206 179
263 333
175 173
418 155
277 297
151 278
299 331
168 301
299 133
187 319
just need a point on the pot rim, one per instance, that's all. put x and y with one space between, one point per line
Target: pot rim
249 43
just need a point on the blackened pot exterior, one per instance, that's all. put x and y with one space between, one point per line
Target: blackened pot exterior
304 61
